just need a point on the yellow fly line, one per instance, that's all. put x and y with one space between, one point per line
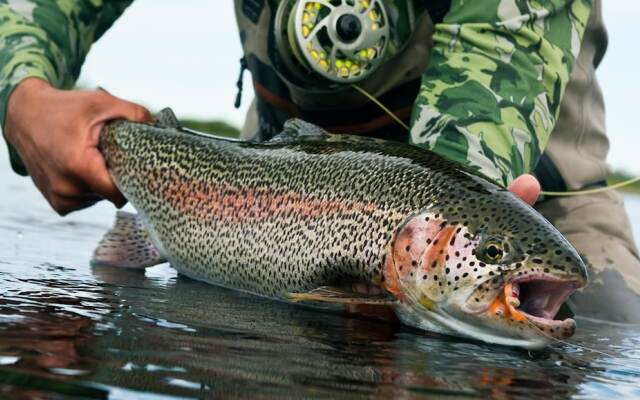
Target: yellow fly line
545 193
593 191
382 106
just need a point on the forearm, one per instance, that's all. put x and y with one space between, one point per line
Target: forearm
492 92
49 40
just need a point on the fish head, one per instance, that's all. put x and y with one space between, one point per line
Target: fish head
489 268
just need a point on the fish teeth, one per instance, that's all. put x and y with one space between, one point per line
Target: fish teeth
513 297
515 290
514 302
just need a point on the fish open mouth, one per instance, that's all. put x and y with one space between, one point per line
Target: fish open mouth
540 298
535 301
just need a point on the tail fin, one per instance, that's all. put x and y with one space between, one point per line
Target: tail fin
126 245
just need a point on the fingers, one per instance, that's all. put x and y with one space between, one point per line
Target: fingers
62 196
95 173
526 187
99 181
56 132
66 205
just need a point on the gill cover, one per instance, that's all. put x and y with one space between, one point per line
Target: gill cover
415 270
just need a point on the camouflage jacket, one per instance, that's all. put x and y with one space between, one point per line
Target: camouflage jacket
489 98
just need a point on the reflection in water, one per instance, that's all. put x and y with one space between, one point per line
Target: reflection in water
158 333
67 330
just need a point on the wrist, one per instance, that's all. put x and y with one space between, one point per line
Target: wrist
24 93
22 98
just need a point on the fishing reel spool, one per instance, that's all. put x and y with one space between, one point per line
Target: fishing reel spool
342 41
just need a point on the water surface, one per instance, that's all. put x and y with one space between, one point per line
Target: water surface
69 331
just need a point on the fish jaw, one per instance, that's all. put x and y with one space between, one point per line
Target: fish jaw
501 323
451 324
526 299
443 284
527 307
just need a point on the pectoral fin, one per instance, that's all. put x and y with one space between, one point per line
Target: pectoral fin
126 245
328 294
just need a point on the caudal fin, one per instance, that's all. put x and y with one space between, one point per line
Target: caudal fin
126 245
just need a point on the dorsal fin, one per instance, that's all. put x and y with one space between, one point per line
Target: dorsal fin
297 129
166 118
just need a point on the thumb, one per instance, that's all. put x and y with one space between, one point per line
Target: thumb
526 187
117 108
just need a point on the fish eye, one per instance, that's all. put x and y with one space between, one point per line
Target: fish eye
494 250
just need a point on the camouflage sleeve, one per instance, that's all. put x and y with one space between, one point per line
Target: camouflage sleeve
491 94
48 39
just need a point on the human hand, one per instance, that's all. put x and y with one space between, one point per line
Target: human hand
526 187
56 134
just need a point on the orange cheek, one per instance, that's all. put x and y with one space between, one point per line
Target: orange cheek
501 307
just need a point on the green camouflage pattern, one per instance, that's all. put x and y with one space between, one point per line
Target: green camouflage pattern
489 99
491 95
48 39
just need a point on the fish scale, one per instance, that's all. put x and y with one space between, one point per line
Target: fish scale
350 231
310 209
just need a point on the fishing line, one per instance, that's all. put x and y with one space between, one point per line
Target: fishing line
382 106
593 191
545 193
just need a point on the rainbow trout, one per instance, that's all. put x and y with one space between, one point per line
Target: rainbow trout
309 215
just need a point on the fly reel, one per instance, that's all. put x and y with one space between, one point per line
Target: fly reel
343 41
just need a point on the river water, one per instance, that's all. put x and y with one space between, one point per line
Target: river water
68 331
